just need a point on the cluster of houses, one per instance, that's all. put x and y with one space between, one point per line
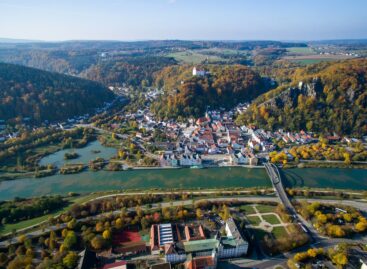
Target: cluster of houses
214 139
190 245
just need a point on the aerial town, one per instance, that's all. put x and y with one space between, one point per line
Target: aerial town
172 134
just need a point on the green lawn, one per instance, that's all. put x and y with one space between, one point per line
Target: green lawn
265 208
254 220
272 219
248 209
279 232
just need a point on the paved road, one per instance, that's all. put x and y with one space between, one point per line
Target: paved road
253 199
276 181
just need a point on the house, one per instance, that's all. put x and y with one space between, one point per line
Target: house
202 121
190 160
239 158
168 160
253 160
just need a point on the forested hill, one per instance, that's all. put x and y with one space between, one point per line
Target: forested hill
331 98
42 95
225 86
132 70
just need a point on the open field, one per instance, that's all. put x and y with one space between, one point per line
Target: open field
315 58
193 57
300 50
227 52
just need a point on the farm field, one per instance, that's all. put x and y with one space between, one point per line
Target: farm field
315 58
300 50
193 57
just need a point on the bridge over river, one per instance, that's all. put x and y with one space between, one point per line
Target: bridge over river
276 180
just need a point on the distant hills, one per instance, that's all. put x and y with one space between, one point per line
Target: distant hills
42 95
13 40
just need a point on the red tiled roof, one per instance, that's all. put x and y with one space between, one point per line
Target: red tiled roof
200 262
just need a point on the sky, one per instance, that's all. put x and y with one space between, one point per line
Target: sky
183 19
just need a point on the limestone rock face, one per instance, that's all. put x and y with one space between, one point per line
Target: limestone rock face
290 95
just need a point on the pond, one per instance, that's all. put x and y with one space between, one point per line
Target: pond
90 152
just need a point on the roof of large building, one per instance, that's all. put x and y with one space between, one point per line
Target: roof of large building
234 233
165 234
201 245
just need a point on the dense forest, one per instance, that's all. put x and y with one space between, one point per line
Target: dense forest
22 209
325 97
134 71
41 95
224 86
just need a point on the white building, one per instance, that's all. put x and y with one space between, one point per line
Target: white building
199 73
190 160
233 245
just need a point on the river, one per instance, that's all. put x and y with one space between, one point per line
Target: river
226 177
354 179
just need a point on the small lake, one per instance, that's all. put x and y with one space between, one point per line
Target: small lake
90 152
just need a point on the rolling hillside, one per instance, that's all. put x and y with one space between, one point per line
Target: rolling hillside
41 95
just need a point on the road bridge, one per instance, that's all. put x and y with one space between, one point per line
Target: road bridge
276 180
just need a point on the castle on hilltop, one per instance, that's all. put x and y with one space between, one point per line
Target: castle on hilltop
199 73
